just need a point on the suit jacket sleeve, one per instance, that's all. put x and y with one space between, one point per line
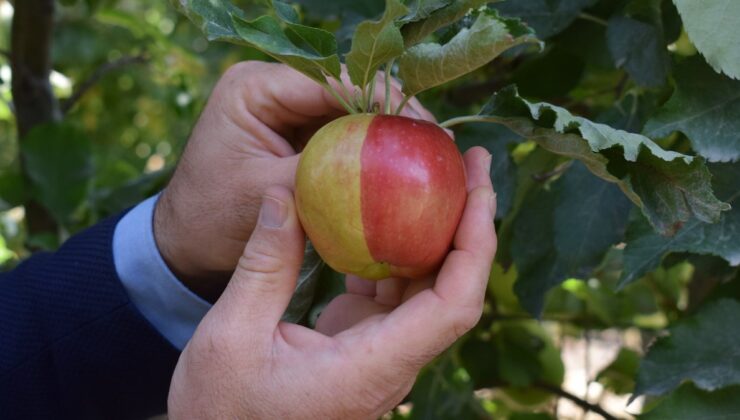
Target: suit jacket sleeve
72 344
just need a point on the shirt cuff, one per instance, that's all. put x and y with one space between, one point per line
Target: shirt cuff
164 301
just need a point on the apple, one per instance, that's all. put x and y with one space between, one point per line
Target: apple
381 195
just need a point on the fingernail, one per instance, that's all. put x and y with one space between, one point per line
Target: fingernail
273 213
487 162
492 204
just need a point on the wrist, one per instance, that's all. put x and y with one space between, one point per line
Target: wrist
175 246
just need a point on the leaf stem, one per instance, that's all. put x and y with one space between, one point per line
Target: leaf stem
387 101
347 94
370 96
592 18
403 103
466 119
339 98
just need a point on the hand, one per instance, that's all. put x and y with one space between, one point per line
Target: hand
246 139
243 362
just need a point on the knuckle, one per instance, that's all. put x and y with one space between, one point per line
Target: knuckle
465 319
258 261
240 69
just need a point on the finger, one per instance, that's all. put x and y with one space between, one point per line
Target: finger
265 277
359 286
390 291
475 239
279 97
431 320
477 168
417 286
346 311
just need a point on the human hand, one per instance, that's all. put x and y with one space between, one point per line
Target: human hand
243 362
259 115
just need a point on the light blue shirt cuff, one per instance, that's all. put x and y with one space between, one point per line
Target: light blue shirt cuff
164 301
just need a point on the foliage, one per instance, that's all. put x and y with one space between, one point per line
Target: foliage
601 116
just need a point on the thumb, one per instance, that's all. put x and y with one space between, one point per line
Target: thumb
265 277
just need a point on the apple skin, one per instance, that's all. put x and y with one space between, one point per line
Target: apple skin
381 196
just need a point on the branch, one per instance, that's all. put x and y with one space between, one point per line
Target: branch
576 400
98 74
30 61
33 98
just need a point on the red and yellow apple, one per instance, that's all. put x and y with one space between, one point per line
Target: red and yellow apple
381 196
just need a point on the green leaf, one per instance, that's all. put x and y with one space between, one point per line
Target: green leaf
416 32
316 41
565 71
706 108
265 34
526 356
374 44
668 186
12 191
323 9
631 112
700 348
428 65
478 357
305 290
422 9
712 28
499 141
645 248
58 161
619 375
565 231
637 43
114 200
329 285
689 403
546 17
444 390
213 17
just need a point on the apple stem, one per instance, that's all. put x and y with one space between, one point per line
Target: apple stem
339 98
388 69
468 118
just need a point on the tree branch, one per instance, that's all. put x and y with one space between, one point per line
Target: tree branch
98 74
576 400
33 98
30 61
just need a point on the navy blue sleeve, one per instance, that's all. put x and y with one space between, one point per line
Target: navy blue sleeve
72 344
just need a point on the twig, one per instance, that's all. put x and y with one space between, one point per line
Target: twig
98 74
620 86
578 401
544 176
592 18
